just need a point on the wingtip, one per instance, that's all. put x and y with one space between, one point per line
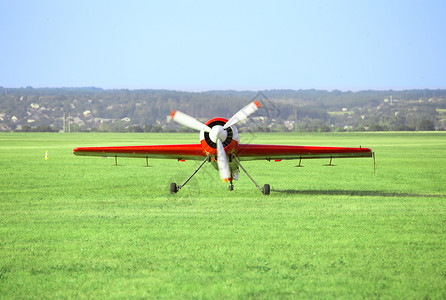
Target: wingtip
257 103
172 114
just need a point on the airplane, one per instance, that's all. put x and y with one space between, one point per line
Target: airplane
220 145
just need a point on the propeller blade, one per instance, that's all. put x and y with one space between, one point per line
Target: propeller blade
222 160
188 121
243 113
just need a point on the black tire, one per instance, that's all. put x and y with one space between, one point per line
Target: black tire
173 188
231 187
266 189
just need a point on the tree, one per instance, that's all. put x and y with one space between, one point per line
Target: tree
425 125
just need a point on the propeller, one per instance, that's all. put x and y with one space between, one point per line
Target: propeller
217 133
243 114
222 160
188 121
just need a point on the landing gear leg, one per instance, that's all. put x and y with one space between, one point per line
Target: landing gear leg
265 189
231 186
173 186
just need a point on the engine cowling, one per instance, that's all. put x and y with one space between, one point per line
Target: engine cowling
229 144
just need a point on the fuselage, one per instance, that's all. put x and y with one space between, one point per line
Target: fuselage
230 144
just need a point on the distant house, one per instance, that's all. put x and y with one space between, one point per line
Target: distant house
34 106
102 120
3 127
78 121
289 125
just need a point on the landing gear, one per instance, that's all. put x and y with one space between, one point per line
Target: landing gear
173 188
265 189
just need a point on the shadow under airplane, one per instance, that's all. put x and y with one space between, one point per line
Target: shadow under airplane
354 193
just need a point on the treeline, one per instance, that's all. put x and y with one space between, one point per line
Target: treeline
28 128
95 109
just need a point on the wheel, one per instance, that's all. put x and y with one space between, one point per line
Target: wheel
231 187
173 188
266 189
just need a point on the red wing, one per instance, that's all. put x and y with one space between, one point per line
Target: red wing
253 152
186 151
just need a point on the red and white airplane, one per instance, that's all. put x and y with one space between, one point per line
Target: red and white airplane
220 145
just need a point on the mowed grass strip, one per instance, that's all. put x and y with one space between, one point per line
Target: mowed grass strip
81 227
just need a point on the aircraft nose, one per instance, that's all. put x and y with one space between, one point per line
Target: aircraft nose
218 133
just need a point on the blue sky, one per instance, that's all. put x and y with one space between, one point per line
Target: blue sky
208 45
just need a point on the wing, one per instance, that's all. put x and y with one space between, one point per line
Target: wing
185 151
268 152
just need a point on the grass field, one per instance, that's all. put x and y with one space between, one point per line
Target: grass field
80 227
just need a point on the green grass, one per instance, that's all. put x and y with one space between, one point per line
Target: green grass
80 227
